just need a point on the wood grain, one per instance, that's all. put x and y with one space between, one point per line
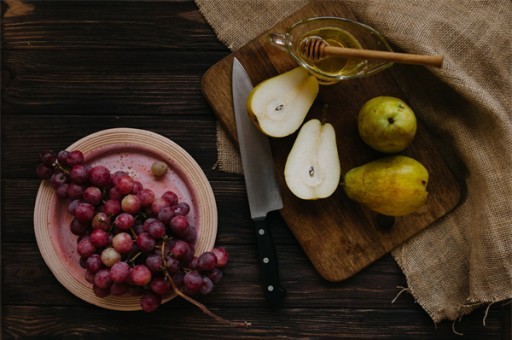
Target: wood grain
339 236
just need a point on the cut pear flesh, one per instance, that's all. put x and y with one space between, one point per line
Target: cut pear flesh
279 105
312 169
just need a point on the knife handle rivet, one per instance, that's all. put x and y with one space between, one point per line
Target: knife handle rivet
261 231
270 288
266 260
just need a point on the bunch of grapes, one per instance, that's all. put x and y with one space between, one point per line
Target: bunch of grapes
129 240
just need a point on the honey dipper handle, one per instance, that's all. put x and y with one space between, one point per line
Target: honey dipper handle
401 58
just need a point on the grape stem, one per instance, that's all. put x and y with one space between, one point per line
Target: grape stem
203 308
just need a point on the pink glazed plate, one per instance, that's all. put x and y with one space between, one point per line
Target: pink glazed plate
133 151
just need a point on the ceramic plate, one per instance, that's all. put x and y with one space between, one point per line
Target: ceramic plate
134 151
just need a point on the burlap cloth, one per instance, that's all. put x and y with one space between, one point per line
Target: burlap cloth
464 260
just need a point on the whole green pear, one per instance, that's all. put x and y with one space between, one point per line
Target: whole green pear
387 124
393 185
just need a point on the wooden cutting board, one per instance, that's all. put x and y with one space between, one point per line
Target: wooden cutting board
339 236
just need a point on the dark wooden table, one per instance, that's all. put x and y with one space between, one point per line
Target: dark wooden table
71 68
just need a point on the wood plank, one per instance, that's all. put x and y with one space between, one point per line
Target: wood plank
105 82
186 321
107 25
338 235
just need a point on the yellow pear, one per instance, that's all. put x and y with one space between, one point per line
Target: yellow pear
279 105
393 186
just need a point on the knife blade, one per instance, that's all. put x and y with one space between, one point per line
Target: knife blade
263 191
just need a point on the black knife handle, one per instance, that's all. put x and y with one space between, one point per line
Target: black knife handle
267 258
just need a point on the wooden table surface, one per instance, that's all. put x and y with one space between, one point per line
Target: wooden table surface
71 68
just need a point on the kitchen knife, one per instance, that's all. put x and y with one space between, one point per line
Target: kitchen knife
262 187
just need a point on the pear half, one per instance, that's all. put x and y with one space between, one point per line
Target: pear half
312 169
279 105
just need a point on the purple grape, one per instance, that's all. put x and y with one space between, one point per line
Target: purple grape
74 191
62 190
170 197
181 208
206 261
120 272
79 173
222 256
84 211
116 175
78 227
179 225
94 264
156 229
137 187
165 215
99 238
124 221
192 281
181 250
44 171
102 278
147 196
215 275
75 157
206 286
145 242
58 179
191 235
124 184
154 263
48 157
157 205
172 265
100 292
72 206
118 289
150 302
62 157
140 275
99 176
112 207
92 195
160 286
85 247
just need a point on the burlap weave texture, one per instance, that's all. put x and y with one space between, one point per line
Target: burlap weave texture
464 260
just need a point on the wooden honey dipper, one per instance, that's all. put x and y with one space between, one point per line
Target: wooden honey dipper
315 48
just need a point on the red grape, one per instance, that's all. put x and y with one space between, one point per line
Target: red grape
179 225
150 302
84 211
75 157
79 173
147 196
93 263
99 238
118 289
140 275
124 221
85 247
206 261
170 197
192 281
92 195
119 272
156 229
57 179
48 157
62 157
112 207
206 286
102 278
124 184
74 191
99 176
154 263
145 242
160 286
44 171
222 256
